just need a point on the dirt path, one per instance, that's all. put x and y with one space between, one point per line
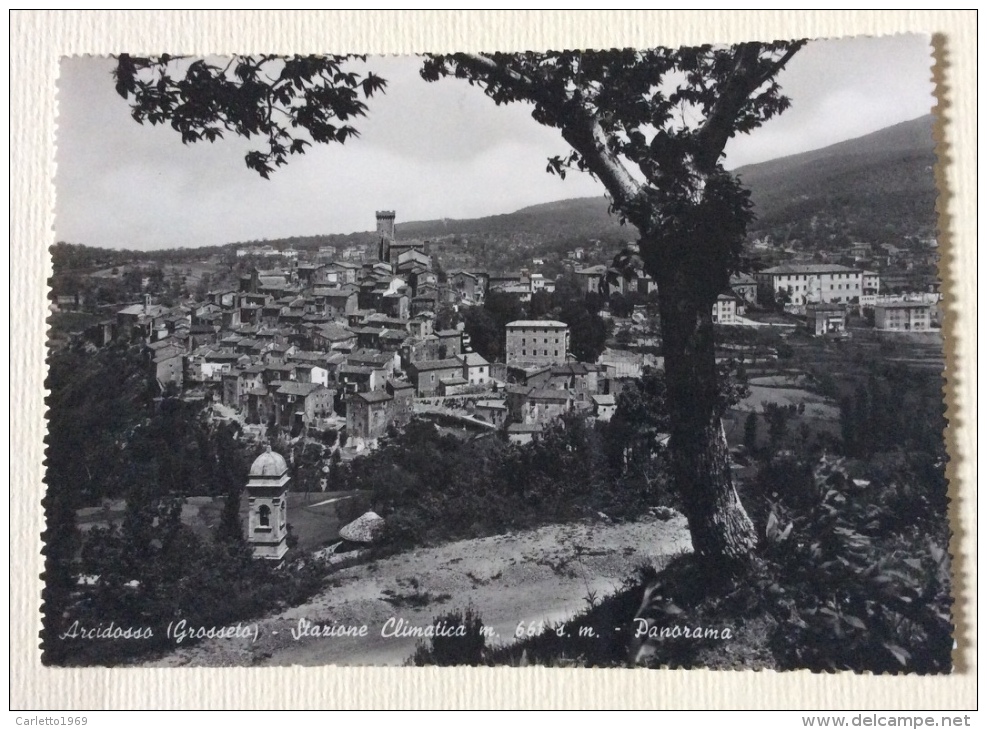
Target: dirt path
531 576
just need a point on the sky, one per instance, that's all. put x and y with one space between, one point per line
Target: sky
426 150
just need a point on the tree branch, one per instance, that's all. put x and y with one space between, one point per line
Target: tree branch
491 71
712 136
782 62
743 81
588 138
582 129
481 64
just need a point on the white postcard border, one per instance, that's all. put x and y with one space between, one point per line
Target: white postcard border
39 38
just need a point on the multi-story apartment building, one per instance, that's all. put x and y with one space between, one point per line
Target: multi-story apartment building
903 316
871 283
537 342
805 283
725 308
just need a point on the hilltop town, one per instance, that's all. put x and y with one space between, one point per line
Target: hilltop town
361 340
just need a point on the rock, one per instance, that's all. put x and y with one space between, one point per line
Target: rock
367 528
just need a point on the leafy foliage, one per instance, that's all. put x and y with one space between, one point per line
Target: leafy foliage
153 570
640 419
432 487
750 432
60 540
837 583
289 102
587 331
485 325
853 593
104 440
880 412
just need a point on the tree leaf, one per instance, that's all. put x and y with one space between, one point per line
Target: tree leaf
898 653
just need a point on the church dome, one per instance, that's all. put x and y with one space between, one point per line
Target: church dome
268 464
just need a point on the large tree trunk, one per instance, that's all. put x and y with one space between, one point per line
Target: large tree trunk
719 525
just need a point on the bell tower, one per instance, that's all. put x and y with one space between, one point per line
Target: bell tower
385 234
267 495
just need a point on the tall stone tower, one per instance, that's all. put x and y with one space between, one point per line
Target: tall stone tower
267 494
385 234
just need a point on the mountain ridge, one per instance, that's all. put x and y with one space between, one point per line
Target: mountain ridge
891 168
877 187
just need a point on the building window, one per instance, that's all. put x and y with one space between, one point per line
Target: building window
264 513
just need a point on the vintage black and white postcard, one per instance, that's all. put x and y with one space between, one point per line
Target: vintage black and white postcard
573 358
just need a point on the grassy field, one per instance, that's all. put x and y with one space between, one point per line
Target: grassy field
316 517
818 371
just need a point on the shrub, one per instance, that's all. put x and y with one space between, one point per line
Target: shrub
838 583
849 595
459 640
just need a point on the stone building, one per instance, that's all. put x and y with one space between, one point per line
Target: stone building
466 284
476 369
523 433
604 406
368 414
592 279
871 283
169 366
428 375
537 405
299 404
537 342
744 286
492 411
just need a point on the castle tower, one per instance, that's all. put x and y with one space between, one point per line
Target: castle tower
385 234
267 494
